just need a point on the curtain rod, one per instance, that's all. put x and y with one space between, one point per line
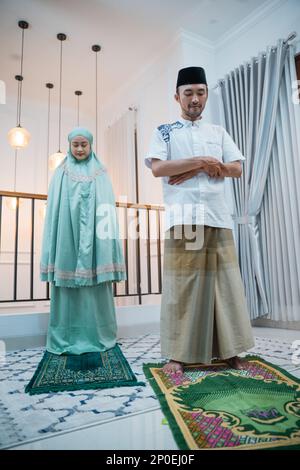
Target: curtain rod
290 37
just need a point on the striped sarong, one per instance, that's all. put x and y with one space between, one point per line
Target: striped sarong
203 311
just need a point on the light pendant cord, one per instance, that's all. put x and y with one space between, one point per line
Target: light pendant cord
78 110
61 37
18 104
48 129
60 87
96 48
23 25
96 105
21 73
49 86
78 93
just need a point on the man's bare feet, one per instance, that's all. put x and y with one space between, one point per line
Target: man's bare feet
173 367
235 362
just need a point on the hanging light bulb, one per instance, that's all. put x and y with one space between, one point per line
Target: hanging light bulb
18 137
56 158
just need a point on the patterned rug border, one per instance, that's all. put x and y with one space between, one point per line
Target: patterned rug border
83 386
177 434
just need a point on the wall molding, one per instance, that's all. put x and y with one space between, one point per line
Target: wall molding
196 39
24 308
287 325
266 9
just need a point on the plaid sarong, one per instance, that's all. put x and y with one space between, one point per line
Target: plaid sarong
203 312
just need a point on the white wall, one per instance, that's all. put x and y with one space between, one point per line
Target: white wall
152 93
256 34
32 161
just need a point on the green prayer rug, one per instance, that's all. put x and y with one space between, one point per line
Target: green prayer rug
216 407
85 371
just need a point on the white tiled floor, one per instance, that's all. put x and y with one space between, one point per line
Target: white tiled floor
124 433
138 431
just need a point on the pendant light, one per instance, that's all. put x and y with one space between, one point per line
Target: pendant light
96 48
19 137
78 93
56 158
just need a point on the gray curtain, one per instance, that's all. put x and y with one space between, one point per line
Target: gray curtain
258 112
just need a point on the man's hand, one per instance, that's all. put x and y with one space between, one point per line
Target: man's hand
184 169
178 167
214 168
178 179
211 166
217 169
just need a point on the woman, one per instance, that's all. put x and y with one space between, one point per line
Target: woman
81 252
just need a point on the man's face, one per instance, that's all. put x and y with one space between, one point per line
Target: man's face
192 99
80 147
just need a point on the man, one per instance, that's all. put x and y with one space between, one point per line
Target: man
203 312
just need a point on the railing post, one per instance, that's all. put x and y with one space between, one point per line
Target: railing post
32 248
138 258
158 250
126 249
16 249
148 253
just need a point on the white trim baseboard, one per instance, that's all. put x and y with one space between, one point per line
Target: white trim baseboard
29 329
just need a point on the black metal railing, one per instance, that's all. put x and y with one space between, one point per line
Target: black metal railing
144 275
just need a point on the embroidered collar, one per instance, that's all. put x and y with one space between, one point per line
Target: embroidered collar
188 123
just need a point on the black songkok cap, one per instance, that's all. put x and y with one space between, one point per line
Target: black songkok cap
191 76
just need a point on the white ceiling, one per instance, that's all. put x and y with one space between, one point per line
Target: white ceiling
130 32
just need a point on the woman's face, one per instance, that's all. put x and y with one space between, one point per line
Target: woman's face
80 147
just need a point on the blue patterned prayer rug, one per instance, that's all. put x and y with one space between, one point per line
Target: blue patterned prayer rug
85 371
